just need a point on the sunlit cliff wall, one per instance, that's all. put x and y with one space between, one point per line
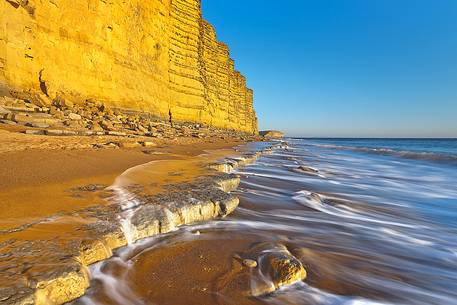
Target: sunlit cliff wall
152 56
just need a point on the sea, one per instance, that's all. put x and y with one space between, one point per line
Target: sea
374 221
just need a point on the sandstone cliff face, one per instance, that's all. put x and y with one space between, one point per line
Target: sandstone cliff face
154 56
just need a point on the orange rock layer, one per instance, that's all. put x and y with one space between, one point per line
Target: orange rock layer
156 56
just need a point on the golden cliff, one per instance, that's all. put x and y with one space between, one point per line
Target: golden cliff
153 56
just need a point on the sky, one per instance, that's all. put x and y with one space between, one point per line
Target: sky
345 68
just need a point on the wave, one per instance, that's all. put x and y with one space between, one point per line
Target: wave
429 156
301 293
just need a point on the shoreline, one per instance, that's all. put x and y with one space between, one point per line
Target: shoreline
88 234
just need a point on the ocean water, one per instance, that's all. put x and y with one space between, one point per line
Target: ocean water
379 218
374 221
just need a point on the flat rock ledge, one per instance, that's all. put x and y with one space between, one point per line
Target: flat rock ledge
55 271
228 165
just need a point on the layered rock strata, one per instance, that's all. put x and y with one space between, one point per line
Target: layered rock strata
55 272
157 56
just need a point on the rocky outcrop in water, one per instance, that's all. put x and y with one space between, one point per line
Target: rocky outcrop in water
157 56
272 134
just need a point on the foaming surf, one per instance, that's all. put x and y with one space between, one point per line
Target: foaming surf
370 229
378 224
441 150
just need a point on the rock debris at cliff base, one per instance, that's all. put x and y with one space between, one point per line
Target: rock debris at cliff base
63 118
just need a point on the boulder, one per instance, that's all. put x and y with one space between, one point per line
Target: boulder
129 144
106 125
8 122
261 270
148 144
62 103
34 132
74 116
116 133
60 132
42 100
22 118
277 264
96 127
7 100
3 111
37 125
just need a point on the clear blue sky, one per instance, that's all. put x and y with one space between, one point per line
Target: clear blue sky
346 67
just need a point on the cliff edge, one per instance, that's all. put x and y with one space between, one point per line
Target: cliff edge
156 56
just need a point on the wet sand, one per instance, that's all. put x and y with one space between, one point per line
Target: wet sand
69 208
354 221
54 201
193 267
37 183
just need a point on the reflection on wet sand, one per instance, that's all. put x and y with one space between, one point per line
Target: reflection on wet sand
56 229
364 236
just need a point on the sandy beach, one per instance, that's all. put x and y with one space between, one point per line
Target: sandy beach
201 152
53 188
37 176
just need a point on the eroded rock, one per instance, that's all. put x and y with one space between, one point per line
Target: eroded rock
277 265
261 270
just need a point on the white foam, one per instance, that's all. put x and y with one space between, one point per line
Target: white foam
303 198
128 229
115 287
301 292
407 238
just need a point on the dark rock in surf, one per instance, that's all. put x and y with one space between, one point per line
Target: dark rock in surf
306 170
